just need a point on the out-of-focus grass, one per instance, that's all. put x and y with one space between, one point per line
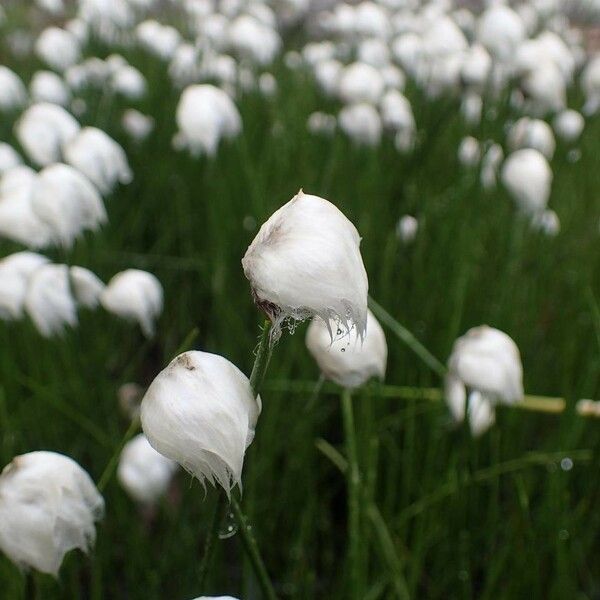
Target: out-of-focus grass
491 518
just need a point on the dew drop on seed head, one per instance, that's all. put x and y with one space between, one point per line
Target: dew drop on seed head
228 527
343 349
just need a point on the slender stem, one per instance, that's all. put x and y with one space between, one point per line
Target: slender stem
262 358
114 459
407 337
252 551
211 537
353 479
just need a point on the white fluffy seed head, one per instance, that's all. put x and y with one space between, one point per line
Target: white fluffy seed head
86 287
67 202
487 360
532 133
134 295
527 176
99 158
43 129
201 412
12 90
348 360
568 125
9 157
47 86
305 261
407 229
49 302
58 48
361 123
136 124
15 272
48 506
143 472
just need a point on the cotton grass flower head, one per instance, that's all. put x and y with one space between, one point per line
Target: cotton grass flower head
253 40
134 295
99 158
361 123
590 85
47 86
86 286
43 129
18 220
15 272
144 473
67 202
13 94
527 177
547 222
58 48
205 114
201 412
348 360
532 133
360 82
136 124
128 82
48 300
9 158
48 506
407 229
469 152
305 261
484 369
568 125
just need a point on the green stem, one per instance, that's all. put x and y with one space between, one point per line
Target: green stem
252 551
209 544
353 479
407 337
262 358
114 459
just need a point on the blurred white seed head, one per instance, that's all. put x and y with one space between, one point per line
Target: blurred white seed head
590 85
305 261
201 412
43 129
568 125
12 90
136 124
490 165
469 152
547 222
86 286
487 361
205 114
396 112
143 472
9 157
48 300
67 202
471 108
361 123
527 176
532 133
48 506
360 82
128 82
99 158
15 272
161 40
407 229
348 360
129 396
321 123
58 48
134 295
253 40
47 86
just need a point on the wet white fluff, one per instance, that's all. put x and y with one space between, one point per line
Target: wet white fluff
48 300
15 272
201 412
361 123
86 286
305 261
12 90
43 129
527 176
134 295
67 202
143 472
46 86
18 220
58 48
48 506
99 158
348 360
487 361
205 114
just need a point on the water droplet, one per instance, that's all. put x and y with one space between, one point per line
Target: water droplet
343 349
228 527
339 331
563 535
566 464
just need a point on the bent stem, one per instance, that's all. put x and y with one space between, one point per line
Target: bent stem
353 479
252 551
